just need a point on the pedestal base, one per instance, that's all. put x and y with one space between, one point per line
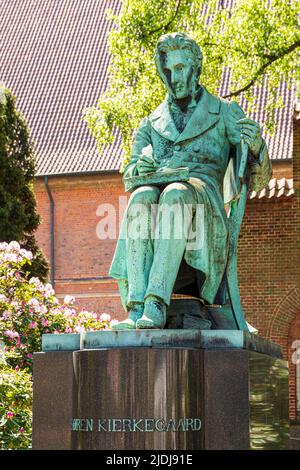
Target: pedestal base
192 390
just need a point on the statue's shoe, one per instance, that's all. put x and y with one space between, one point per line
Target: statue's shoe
154 316
130 322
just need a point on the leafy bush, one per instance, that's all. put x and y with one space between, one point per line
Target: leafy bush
15 406
28 309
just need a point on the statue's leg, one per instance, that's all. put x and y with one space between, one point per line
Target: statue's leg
139 250
177 205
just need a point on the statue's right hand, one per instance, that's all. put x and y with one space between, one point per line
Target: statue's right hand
146 164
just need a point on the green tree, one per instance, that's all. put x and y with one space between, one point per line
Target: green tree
18 216
257 40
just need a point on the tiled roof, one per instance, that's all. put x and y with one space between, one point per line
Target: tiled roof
53 56
280 144
276 188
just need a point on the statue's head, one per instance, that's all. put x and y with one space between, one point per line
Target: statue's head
178 60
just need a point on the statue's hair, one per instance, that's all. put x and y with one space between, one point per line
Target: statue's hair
177 41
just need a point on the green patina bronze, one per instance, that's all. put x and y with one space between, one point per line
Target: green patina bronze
194 149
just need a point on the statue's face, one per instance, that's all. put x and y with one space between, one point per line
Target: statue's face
178 68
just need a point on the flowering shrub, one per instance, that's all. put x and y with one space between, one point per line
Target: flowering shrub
15 406
29 308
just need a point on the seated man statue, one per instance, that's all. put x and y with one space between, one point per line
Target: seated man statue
197 133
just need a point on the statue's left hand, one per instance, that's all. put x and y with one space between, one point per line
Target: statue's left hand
146 164
251 133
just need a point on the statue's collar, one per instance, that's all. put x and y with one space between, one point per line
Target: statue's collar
205 115
186 105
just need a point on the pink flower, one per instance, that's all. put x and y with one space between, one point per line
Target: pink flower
68 330
22 430
17 368
6 315
69 299
10 415
14 246
45 322
34 303
105 317
33 324
43 309
35 281
30 356
69 312
11 334
79 329
10 257
26 254
49 290
54 311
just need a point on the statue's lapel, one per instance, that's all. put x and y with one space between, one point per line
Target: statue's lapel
163 123
205 116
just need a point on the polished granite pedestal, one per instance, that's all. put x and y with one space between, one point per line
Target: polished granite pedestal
160 390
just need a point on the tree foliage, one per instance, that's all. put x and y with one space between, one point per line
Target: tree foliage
257 40
18 216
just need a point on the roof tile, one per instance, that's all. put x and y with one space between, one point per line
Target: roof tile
53 55
276 188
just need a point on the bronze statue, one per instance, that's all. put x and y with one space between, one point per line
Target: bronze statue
190 152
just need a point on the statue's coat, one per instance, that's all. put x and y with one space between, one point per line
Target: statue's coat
209 143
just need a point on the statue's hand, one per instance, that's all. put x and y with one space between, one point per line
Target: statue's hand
146 164
251 133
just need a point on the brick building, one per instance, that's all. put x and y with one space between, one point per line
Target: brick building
54 58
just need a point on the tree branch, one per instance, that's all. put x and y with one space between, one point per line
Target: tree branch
164 26
272 58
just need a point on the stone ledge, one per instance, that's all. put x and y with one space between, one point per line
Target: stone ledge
182 339
61 342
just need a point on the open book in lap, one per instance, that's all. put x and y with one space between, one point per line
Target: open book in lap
162 176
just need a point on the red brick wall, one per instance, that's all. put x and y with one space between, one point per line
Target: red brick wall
267 274
268 263
81 259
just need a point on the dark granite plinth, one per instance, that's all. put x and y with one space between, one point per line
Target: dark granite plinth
295 436
161 390
54 401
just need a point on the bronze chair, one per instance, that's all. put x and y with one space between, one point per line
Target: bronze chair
187 309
